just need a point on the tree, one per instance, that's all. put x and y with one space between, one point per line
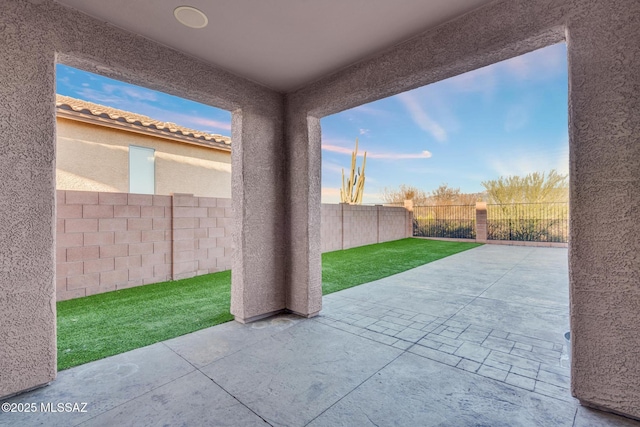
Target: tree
533 188
404 192
445 195
525 207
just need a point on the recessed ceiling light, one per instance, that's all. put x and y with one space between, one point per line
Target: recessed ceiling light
191 17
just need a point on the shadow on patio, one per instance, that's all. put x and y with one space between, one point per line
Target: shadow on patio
472 339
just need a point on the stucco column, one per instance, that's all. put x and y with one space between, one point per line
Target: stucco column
27 203
481 222
304 283
258 197
604 110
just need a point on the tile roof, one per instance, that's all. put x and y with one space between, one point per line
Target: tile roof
72 107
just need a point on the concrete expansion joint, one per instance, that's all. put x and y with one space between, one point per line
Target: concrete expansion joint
196 368
356 388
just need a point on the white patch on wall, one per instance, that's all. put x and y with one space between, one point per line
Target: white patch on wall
142 170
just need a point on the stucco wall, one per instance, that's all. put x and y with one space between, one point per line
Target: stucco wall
96 158
277 263
34 36
603 42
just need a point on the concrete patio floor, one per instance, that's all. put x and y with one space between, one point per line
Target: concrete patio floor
475 339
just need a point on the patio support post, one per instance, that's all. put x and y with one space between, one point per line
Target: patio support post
27 203
304 282
258 198
604 141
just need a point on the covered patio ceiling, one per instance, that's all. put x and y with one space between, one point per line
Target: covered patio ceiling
281 44
269 126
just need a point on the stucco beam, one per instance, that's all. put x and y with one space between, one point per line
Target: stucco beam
89 44
495 32
604 55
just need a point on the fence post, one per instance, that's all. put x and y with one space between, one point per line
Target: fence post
408 205
481 221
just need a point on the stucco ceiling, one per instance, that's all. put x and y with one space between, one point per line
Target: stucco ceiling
282 44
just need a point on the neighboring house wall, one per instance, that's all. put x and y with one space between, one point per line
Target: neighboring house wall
96 158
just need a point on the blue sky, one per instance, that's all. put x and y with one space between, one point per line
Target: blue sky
157 105
509 118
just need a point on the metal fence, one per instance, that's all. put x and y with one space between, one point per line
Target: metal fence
455 221
531 222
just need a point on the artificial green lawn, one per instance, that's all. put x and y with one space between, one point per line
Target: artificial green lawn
98 326
102 325
353 267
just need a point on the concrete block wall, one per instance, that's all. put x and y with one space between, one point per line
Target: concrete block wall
360 226
110 241
346 226
392 222
201 235
331 227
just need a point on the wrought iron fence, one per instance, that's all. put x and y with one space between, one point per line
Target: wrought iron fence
455 221
532 222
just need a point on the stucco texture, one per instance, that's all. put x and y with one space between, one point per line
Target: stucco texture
276 166
603 41
96 158
34 36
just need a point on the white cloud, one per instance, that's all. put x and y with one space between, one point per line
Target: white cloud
118 96
540 64
201 121
400 156
331 167
482 80
99 97
372 155
364 131
372 111
420 116
522 163
139 93
64 80
537 65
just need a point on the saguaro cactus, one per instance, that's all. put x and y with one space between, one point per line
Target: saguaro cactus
352 190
